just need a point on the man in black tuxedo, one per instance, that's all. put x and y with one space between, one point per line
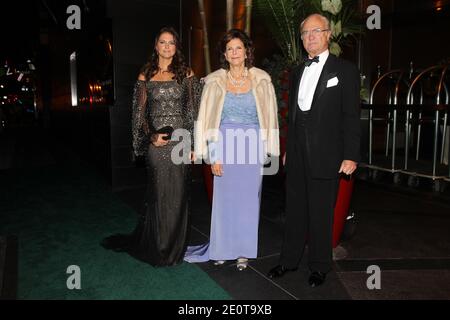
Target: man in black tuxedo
323 142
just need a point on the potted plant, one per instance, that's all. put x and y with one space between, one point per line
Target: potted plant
282 18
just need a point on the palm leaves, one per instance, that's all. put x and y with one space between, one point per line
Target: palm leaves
282 17
343 20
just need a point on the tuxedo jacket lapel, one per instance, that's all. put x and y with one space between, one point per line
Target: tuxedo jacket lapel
327 74
296 85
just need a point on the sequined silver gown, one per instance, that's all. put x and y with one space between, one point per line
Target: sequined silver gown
160 237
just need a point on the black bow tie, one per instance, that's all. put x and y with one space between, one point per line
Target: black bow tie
309 61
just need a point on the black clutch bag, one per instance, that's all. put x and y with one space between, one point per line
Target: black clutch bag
166 130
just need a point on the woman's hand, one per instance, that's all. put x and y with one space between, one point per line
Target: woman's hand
158 140
217 169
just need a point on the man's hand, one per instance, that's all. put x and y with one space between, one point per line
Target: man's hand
348 167
284 159
217 169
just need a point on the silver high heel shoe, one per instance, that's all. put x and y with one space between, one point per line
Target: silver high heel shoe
219 262
242 264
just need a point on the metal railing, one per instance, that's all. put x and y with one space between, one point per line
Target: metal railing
413 113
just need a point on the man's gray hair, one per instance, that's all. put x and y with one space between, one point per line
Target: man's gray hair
325 19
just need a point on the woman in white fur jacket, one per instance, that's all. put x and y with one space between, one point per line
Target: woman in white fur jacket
237 127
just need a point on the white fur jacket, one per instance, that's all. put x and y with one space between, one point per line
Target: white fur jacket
211 105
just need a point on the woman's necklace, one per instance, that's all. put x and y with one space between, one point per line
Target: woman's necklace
238 83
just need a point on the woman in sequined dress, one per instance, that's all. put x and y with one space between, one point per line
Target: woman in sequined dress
237 126
166 94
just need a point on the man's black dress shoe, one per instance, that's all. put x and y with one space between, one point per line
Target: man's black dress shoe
316 278
278 271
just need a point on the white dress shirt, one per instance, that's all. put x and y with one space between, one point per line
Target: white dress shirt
308 83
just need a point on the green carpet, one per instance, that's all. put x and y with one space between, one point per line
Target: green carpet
60 214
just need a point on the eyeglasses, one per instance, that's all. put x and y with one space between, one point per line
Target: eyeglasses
170 43
314 32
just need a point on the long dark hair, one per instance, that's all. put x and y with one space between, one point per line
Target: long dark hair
178 66
248 45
